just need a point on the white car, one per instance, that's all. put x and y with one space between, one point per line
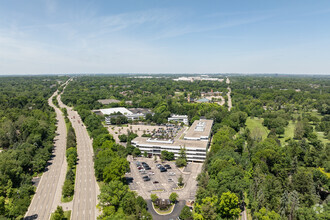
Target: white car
151 173
171 174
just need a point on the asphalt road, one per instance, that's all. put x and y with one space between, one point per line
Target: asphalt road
86 188
176 212
230 105
48 193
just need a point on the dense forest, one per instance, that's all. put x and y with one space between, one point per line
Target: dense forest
270 152
27 129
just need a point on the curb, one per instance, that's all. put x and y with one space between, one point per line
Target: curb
160 213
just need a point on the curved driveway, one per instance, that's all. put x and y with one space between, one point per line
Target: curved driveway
176 212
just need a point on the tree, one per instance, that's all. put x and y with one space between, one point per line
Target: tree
145 154
180 180
196 117
264 214
153 197
182 159
163 155
68 188
186 213
112 194
116 169
136 152
173 197
228 206
58 214
123 138
141 202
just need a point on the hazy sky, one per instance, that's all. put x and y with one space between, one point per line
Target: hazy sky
165 36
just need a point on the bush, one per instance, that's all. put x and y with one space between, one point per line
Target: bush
173 197
153 197
180 162
123 138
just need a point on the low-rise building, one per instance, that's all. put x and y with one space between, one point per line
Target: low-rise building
196 142
179 118
135 114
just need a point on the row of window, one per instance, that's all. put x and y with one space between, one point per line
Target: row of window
169 149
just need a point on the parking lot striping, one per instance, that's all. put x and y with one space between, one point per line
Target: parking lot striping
145 189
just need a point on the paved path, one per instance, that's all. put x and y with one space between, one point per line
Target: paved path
86 188
229 99
176 212
49 190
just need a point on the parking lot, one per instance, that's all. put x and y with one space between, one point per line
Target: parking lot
153 181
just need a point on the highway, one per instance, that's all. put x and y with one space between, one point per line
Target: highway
48 193
86 188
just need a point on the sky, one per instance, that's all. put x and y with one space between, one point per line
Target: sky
164 36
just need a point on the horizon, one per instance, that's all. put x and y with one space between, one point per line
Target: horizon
57 37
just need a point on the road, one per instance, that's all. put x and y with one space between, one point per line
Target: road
176 212
230 105
86 188
49 190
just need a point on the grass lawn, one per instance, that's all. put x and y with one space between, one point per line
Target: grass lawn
67 214
320 136
256 124
288 133
68 199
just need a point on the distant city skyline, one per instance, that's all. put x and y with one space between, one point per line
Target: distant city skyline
164 36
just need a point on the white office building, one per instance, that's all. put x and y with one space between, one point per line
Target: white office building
124 111
196 141
179 118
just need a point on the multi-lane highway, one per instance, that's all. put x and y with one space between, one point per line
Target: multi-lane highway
86 188
48 193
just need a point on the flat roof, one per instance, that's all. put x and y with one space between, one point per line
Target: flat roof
108 101
200 128
176 142
109 111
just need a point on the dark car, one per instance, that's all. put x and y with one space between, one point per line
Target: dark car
162 169
146 179
155 182
129 179
147 168
167 166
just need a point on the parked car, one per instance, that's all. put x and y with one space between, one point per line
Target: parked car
167 166
171 174
162 169
147 168
151 173
155 182
146 179
170 180
158 165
